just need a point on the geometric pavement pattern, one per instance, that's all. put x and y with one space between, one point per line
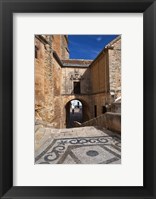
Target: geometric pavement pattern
82 150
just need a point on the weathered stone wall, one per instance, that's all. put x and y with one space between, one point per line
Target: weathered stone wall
60 46
43 78
56 44
115 67
76 71
56 100
47 83
68 79
54 79
64 47
116 107
99 73
100 82
39 73
99 100
52 84
106 76
111 121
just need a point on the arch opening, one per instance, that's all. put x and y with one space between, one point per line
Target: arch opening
76 111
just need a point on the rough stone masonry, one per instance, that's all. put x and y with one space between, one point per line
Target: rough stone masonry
99 80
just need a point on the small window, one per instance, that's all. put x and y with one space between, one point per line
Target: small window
77 88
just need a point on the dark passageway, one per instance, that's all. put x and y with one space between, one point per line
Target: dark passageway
74 113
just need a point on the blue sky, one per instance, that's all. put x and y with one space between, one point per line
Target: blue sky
87 46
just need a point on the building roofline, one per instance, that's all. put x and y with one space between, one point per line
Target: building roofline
108 46
75 65
114 40
83 65
63 65
79 59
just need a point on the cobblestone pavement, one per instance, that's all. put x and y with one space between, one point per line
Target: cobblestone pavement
85 145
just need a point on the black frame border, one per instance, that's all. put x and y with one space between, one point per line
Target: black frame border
7 8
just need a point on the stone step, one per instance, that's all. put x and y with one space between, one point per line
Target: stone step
46 134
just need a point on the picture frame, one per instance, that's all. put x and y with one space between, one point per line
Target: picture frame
7 8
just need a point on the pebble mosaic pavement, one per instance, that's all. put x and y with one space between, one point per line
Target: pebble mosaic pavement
85 145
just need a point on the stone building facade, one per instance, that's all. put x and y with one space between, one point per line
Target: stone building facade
114 53
58 79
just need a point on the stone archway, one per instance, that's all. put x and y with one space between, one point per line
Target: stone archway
85 112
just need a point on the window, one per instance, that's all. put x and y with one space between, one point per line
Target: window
77 88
